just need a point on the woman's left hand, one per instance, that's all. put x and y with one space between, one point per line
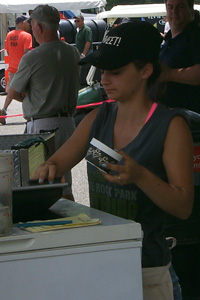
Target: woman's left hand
126 173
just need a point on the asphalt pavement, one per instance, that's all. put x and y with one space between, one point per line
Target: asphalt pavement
15 124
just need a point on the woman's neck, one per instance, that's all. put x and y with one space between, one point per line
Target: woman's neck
129 121
134 109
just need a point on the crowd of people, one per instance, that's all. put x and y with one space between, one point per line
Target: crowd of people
22 39
146 78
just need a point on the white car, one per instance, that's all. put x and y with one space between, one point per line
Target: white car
2 76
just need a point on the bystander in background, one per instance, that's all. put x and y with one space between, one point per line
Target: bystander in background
179 82
83 44
83 37
180 58
18 42
166 28
47 81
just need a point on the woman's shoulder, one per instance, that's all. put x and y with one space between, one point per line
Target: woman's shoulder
165 117
175 120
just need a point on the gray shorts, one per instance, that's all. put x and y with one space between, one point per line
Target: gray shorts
66 128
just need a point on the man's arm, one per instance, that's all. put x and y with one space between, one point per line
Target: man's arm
190 75
86 48
28 43
12 94
7 102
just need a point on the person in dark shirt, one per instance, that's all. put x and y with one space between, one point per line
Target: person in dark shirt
180 58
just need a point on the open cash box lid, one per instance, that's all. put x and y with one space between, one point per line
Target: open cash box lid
32 202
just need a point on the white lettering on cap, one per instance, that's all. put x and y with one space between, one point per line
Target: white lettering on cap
112 40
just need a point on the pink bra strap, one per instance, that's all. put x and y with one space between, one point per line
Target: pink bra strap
153 107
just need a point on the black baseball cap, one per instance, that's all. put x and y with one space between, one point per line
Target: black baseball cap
20 19
126 43
46 13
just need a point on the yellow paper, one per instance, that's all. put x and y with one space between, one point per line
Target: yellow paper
77 221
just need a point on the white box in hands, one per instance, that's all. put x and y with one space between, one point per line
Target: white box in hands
98 154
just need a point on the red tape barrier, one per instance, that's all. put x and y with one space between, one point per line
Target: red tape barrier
11 116
78 107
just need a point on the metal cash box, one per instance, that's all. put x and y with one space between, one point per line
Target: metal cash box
27 160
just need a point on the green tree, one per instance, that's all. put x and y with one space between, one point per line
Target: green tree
111 3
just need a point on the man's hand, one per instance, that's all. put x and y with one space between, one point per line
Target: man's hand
190 75
3 113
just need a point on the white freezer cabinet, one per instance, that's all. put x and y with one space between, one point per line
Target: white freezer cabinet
87 263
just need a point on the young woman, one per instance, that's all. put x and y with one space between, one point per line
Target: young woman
155 176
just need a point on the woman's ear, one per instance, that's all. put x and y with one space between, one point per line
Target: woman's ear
147 71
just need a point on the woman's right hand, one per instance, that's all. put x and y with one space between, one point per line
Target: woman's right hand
47 170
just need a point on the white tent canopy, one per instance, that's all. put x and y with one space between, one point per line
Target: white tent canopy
20 6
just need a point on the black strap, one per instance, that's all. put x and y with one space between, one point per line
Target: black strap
30 142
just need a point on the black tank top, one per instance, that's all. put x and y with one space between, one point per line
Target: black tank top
128 201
